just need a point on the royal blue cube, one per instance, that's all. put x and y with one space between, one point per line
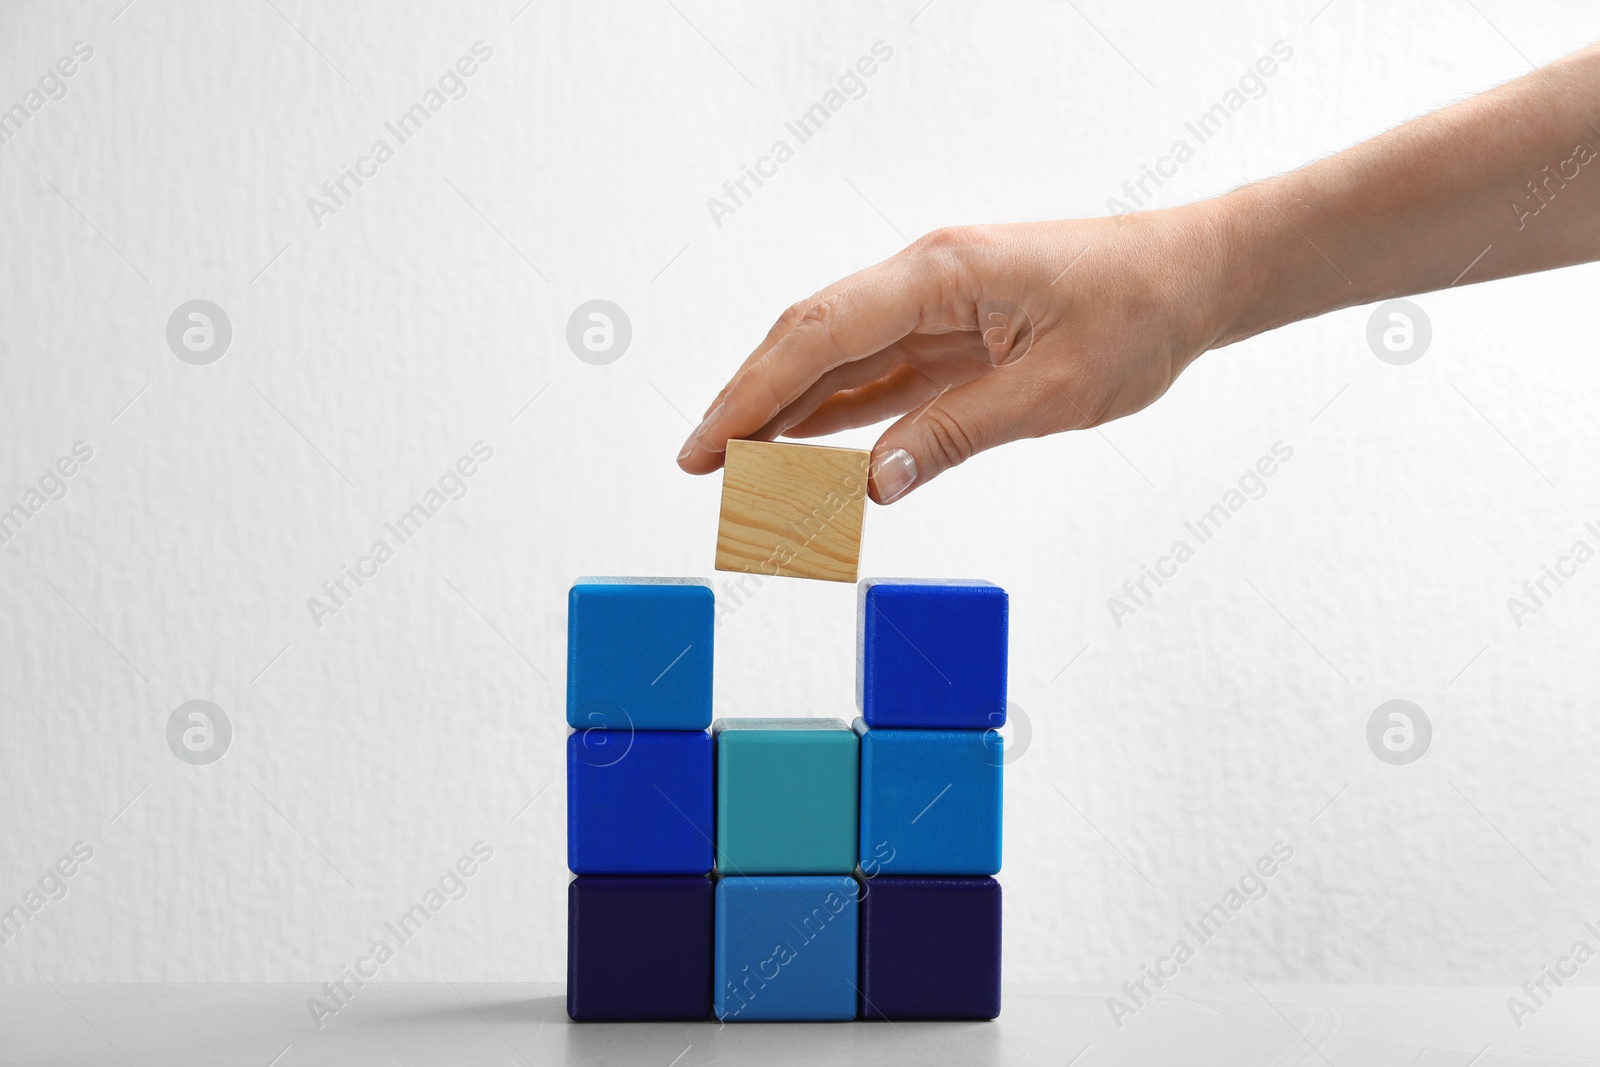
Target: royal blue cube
931 653
639 802
930 948
930 801
639 948
639 653
786 948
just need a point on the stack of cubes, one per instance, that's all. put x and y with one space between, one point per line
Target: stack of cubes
639 817
793 869
931 686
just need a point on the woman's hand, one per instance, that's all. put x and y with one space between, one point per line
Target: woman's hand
979 335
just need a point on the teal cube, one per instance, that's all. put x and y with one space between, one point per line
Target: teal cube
786 796
930 801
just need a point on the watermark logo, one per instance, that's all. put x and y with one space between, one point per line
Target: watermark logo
51 86
1399 332
851 84
451 886
52 486
339 191
452 485
1007 741
1251 85
1538 591
1251 888
1138 592
1548 183
52 886
198 332
599 332
1005 332
1536 991
1399 732
199 732
604 742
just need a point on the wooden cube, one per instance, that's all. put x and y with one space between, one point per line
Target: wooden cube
792 511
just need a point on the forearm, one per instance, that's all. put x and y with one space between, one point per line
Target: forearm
1505 183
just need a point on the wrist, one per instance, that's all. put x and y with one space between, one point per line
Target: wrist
1273 272
1251 293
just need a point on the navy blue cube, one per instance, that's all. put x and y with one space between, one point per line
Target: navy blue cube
639 653
931 653
930 801
639 802
639 949
930 948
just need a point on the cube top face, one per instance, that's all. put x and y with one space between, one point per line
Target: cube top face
793 511
930 948
786 797
786 948
931 653
639 802
931 801
777 725
639 948
639 653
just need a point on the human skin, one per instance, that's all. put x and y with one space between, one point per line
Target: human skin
975 336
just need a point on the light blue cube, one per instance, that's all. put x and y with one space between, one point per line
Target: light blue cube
786 948
930 801
639 653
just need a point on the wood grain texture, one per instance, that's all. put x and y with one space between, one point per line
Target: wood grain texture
792 511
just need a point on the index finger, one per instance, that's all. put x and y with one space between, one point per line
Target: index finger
852 318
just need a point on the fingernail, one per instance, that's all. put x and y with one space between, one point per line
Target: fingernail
895 473
699 431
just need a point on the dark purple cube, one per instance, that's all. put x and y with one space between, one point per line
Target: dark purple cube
639 947
930 948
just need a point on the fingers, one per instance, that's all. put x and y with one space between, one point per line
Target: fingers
777 330
951 358
953 427
904 390
850 376
851 319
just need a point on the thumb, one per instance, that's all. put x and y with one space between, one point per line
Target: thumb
950 429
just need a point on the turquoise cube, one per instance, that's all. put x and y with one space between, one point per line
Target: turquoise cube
930 801
785 948
786 796
639 653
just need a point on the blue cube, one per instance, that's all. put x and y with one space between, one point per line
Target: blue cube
786 948
930 801
639 802
930 948
639 653
931 653
639 948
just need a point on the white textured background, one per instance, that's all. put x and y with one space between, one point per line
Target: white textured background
369 353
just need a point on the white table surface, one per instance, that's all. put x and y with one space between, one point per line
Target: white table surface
455 1025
